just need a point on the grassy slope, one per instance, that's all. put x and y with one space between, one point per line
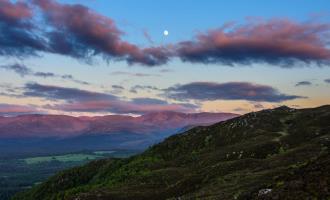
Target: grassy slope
283 149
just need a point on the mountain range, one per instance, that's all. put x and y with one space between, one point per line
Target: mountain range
58 133
275 154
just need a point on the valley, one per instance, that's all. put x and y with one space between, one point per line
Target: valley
35 147
21 173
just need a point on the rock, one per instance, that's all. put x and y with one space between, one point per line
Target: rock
263 192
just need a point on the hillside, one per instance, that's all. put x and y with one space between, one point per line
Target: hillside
272 154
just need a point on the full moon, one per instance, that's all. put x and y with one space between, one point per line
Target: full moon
166 32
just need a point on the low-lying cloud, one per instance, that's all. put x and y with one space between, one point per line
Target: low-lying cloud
121 107
211 91
303 83
136 74
63 93
77 100
23 71
13 110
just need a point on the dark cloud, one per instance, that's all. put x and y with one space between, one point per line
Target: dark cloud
77 100
277 42
21 70
148 101
239 109
258 106
144 87
18 36
303 83
63 93
327 80
165 70
137 74
72 30
44 74
83 33
118 87
205 91
133 91
8 90
295 106
71 78
17 42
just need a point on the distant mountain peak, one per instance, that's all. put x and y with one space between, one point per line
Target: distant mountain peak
284 108
37 125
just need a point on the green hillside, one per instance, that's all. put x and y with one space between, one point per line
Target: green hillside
272 154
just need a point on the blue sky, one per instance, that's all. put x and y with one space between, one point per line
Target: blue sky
184 20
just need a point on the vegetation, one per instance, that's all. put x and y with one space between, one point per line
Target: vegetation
21 173
17 175
272 154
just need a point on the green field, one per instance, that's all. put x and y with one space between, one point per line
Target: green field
63 158
104 152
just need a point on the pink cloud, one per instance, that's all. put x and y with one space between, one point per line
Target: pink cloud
275 41
87 33
14 11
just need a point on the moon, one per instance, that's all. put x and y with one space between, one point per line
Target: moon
166 33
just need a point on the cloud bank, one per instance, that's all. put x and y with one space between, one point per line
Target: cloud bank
211 91
77 100
75 30
276 42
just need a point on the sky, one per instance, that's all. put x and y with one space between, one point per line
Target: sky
100 57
